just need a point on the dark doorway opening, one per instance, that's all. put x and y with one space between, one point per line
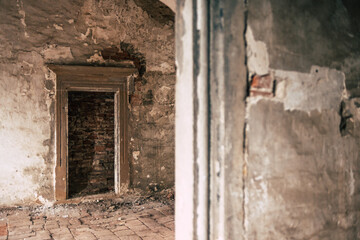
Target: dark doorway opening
91 124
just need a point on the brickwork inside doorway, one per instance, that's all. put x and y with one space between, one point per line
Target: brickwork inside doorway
91 143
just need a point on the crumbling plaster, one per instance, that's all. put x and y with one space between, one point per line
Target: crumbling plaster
302 145
284 166
36 33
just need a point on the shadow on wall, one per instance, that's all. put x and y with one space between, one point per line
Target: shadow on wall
126 52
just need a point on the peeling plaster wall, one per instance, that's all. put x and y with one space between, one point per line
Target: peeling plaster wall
35 33
299 34
302 151
152 132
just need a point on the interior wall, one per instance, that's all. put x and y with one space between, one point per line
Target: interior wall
297 102
302 149
35 33
152 133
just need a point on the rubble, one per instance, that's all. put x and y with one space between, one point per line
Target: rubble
134 215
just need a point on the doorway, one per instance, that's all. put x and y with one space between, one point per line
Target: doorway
108 84
91 143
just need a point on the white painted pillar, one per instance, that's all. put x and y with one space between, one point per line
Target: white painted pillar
192 121
210 119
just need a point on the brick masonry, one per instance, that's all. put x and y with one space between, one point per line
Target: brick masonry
3 228
91 142
94 220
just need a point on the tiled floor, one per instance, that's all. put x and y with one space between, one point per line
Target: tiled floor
97 219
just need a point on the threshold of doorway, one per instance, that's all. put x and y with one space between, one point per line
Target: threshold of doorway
88 198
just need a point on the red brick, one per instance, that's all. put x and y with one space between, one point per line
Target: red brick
3 230
264 81
99 148
262 86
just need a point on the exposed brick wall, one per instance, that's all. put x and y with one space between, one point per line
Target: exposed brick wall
82 32
91 143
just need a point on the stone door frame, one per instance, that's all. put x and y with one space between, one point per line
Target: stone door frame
91 79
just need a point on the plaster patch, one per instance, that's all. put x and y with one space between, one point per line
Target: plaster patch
25 87
136 155
96 58
58 27
257 55
101 33
164 68
50 75
54 52
84 36
352 183
321 89
22 156
22 14
27 68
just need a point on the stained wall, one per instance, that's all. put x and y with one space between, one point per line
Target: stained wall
302 151
36 33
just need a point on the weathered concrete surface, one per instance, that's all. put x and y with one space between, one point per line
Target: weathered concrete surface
350 117
298 176
303 175
320 89
302 148
34 33
300 34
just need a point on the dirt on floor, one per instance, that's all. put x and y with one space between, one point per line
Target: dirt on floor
134 215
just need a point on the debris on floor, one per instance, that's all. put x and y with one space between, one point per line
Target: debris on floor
134 215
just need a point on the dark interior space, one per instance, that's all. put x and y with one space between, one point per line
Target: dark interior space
90 143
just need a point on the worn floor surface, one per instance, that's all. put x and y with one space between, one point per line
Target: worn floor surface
91 219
